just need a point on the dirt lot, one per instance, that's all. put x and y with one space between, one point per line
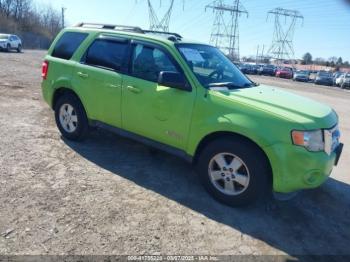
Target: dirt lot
110 195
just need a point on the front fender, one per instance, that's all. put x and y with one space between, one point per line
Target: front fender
229 123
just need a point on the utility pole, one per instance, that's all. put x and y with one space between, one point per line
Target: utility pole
225 32
282 43
262 53
257 55
63 16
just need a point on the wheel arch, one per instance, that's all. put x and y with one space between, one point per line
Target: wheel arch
59 92
229 135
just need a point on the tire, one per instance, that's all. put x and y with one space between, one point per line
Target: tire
8 48
73 126
254 172
19 49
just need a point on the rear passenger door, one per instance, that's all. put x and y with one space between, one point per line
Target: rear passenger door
99 78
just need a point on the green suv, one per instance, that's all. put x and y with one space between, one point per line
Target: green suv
245 140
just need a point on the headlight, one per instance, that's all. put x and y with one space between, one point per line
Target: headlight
311 140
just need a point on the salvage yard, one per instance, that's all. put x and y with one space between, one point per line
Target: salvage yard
113 196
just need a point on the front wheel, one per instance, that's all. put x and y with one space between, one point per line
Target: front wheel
71 118
234 171
8 48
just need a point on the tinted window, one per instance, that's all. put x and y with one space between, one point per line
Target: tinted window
106 53
148 62
68 44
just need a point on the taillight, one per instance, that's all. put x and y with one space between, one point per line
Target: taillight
45 70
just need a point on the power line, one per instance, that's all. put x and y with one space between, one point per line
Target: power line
225 32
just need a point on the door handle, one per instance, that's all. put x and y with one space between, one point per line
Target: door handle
113 86
134 90
83 75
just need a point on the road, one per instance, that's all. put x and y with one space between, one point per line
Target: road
112 196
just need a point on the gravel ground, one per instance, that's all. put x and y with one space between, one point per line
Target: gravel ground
112 196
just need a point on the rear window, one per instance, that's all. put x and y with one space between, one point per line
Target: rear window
68 44
107 54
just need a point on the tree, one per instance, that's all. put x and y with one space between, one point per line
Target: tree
320 61
340 61
307 59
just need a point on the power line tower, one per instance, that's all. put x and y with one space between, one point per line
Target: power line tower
157 24
163 23
282 43
225 32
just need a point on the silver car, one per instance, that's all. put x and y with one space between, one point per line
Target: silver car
345 81
10 42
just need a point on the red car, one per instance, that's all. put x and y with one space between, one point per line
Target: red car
284 72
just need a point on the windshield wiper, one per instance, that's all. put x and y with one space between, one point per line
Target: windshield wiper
231 85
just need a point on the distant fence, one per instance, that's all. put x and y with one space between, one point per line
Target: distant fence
34 41
31 40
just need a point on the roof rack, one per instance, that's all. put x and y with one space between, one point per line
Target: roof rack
162 33
171 36
112 27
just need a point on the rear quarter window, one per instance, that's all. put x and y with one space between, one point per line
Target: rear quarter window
68 44
107 54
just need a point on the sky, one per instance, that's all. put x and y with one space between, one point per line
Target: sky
324 33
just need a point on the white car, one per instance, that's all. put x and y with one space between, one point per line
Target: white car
339 79
345 81
10 42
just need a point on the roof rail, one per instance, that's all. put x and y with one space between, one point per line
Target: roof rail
171 36
162 33
112 27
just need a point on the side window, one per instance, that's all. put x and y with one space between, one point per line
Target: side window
107 54
148 62
68 44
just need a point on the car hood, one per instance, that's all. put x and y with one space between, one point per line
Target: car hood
295 108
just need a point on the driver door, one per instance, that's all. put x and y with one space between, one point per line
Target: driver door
157 112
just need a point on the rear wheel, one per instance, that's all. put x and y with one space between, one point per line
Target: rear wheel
71 118
19 49
234 171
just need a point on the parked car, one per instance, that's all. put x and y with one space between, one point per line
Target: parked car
284 72
335 76
10 42
338 79
267 70
249 69
243 139
324 78
345 82
302 76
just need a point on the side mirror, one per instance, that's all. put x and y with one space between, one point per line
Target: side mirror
174 80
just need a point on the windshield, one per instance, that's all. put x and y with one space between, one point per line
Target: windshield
325 74
303 72
212 67
4 37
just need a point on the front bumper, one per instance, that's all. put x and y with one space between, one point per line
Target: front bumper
3 45
294 168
